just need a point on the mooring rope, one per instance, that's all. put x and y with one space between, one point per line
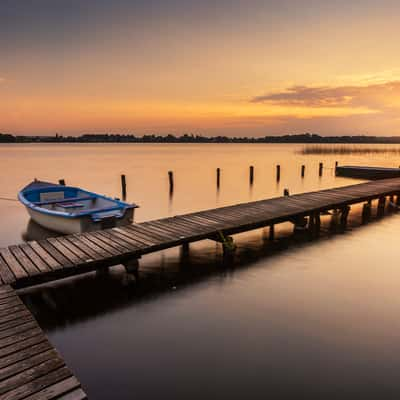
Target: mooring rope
7 199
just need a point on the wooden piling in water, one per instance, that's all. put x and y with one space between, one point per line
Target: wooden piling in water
123 186
271 233
344 216
303 170
171 181
286 192
251 177
321 167
381 206
218 177
278 173
366 212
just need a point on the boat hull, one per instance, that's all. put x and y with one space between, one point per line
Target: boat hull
78 225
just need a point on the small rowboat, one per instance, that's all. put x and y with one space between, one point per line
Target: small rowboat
69 210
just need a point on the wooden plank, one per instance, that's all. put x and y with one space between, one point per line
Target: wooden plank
5 273
99 250
92 254
39 263
16 322
13 264
125 233
17 329
36 385
28 363
17 315
24 383
67 389
125 245
64 262
149 232
22 258
30 351
11 302
19 337
77 394
45 256
116 245
143 236
65 251
103 245
34 340
173 235
124 238
76 250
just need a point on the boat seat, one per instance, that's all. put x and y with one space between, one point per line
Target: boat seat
66 200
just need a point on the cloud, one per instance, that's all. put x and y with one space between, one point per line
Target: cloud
378 96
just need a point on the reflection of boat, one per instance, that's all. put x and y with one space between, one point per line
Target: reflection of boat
68 209
35 231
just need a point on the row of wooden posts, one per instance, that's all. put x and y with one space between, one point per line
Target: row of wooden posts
218 175
251 177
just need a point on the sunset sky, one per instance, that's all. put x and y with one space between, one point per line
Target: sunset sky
233 67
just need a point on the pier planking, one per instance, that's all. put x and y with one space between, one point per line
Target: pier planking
30 367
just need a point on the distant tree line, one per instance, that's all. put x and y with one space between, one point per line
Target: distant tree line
190 138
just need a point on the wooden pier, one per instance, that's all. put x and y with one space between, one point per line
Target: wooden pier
30 367
40 261
367 173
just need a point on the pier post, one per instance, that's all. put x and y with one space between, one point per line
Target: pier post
334 220
271 233
278 173
381 206
317 223
251 176
185 249
123 186
344 216
218 177
311 225
321 167
171 181
366 212
286 192
303 170
132 267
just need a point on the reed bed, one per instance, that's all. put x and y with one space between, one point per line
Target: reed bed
346 150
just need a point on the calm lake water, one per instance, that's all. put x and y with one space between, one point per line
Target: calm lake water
294 318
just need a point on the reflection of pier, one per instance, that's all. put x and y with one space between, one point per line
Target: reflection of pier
53 258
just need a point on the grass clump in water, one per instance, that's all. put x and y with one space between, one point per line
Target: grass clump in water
346 150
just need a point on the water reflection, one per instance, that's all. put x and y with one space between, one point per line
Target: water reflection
35 231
